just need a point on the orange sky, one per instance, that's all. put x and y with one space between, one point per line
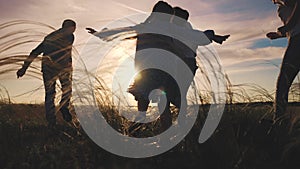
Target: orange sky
247 57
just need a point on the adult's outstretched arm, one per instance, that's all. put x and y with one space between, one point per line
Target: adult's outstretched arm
33 54
111 34
293 19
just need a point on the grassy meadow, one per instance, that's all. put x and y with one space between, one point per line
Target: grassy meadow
241 141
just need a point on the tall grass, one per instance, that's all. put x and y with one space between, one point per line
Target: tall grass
16 44
238 141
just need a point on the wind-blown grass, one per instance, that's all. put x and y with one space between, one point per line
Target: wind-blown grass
239 142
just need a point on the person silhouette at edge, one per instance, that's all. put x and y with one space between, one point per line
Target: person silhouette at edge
289 13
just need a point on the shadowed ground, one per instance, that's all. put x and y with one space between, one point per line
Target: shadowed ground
240 142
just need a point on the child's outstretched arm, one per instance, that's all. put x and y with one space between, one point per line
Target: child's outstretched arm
216 38
220 39
111 34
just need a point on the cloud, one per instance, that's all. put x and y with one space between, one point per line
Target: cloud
262 43
232 56
247 21
247 50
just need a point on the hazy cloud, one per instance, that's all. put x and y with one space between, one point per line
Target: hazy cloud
247 21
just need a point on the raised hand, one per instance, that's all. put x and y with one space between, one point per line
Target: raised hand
91 30
220 39
21 72
274 35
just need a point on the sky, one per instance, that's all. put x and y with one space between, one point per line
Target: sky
247 57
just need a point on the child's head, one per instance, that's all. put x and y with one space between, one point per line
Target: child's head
163 7
182 13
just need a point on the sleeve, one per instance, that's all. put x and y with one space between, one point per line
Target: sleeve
293 19
111 34
149 19
68 51
33 54
210 34
192 37
199 38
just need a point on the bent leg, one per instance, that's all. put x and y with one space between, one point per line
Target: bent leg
285 80
66 83
143 104
49 83
288 72
165 117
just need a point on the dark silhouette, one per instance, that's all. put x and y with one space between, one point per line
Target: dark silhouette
188 55
289 13
56 64
150 79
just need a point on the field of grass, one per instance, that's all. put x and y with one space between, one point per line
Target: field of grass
240 142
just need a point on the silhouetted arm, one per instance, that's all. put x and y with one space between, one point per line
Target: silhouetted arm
111 34
220 38
33 54
91 30
210 34
216 38
68 57
292 21
275 35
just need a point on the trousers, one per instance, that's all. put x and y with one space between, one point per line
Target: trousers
289 69
50 76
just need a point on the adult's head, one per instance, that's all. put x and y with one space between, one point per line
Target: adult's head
69 26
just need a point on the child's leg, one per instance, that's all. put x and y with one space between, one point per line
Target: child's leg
165 117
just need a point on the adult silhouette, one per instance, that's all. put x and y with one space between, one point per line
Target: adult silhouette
159 32
289 13
56 64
